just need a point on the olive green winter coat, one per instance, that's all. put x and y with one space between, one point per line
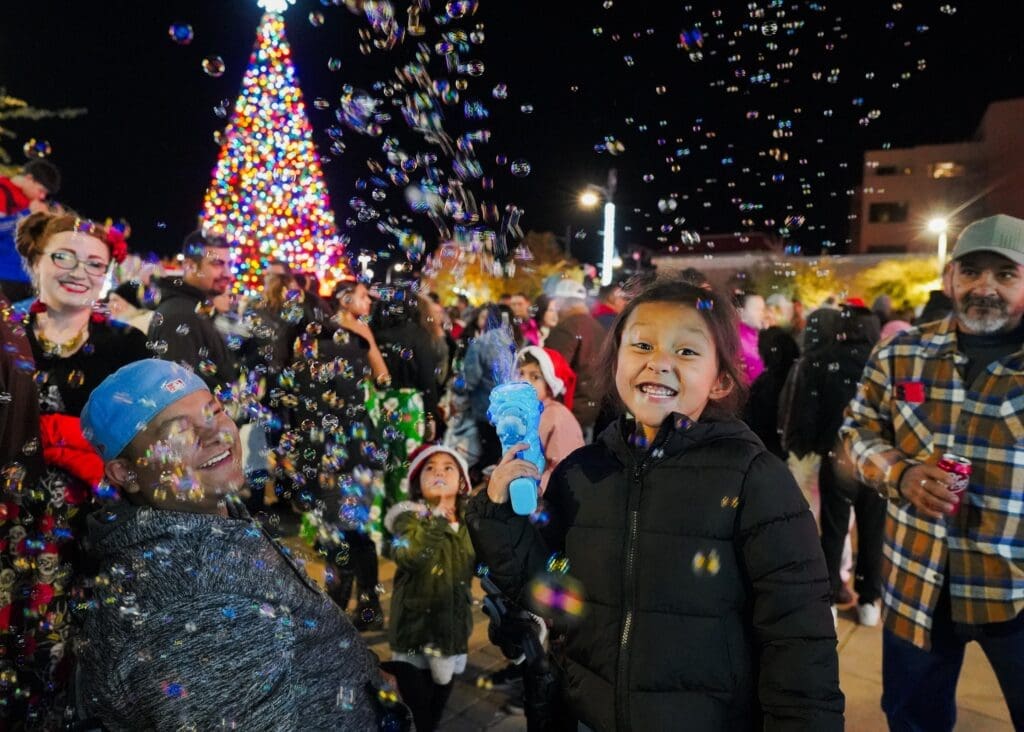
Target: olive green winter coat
431 605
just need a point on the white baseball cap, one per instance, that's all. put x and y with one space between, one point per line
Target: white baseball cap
571 288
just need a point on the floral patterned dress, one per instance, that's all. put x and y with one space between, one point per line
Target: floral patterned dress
44 499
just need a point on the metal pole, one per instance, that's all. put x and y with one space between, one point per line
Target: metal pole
609 244
942 251
608 253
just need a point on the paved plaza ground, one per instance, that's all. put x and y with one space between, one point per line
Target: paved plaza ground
471 708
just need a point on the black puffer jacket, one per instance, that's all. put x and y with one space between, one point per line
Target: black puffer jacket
706 592
186 326
828 375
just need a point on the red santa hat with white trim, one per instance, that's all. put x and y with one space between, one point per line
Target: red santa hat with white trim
557 373
420 456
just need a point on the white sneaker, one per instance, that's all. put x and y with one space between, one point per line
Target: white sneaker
835 616
868 615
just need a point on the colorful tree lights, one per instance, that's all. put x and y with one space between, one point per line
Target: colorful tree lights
268 195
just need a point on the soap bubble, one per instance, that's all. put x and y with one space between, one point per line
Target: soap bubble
520 168
37 149
557 596
213 66
180 33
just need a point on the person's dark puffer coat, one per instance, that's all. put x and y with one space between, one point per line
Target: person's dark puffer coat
186 327
829 373
707 598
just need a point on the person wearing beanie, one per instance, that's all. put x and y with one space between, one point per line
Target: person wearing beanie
215 624
555 382
431 616
21 195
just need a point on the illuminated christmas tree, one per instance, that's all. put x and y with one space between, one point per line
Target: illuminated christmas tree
268 195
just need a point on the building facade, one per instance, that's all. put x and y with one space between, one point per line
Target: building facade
903 189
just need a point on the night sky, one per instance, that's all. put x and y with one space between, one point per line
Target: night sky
757 122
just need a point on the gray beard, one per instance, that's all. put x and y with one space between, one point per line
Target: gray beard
985 325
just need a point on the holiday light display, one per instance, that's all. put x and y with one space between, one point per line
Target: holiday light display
268 195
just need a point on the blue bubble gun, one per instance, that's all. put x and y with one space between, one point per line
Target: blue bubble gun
515 413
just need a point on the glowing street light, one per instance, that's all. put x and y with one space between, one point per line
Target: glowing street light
589 199
940 225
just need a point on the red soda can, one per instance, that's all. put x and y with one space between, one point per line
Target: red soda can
960 469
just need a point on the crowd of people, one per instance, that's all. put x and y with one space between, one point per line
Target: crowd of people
704 451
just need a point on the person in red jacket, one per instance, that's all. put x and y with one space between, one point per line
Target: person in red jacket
21 195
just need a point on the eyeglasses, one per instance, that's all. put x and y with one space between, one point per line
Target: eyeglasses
70 260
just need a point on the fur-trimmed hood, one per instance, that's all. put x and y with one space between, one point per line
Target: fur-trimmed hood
418 507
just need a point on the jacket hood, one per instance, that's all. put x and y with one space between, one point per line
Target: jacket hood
420 508
677 433
173 288
777 348
859 325
123 525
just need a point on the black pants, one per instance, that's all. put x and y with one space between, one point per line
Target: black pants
838 493
490 449
359 563
425 698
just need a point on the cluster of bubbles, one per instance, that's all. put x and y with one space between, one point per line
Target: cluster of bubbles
784 87
427 115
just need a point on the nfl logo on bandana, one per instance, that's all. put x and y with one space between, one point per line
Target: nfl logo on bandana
174 386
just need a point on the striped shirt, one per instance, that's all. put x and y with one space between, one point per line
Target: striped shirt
911 407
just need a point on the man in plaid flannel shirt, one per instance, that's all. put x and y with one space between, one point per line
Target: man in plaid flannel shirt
951 576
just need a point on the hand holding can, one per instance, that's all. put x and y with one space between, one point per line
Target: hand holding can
960 469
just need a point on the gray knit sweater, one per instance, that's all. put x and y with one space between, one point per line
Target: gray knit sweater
204 622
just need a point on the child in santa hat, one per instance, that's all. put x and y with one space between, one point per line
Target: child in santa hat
431 615
555 383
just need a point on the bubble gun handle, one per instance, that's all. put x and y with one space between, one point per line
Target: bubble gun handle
515 413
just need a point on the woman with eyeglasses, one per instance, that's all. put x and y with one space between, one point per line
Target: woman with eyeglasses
47 492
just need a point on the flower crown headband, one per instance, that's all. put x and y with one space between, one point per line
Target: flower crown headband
109 235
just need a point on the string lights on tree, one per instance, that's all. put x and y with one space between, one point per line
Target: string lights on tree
268 196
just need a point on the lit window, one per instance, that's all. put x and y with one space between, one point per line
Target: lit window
947 170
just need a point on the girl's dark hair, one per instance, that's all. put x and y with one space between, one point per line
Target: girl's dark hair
527 358
540 306
722 322
396 307
497 316
506 318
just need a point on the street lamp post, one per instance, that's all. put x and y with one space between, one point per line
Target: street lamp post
940 225
589 199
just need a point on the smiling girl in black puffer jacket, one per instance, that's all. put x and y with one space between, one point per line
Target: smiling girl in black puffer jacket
706 596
